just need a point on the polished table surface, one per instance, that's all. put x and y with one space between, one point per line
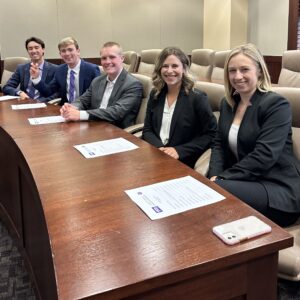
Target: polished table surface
101 245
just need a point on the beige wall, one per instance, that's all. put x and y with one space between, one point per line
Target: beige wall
268 25
139 24
136 24
225 23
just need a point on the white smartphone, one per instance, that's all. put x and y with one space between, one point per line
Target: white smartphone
240 230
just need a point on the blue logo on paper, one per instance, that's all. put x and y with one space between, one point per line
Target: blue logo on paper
157 209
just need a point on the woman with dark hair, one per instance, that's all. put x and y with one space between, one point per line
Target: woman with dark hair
252 156
179 120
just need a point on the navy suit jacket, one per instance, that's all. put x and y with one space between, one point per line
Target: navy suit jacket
87 73
193 124
265 149
20 79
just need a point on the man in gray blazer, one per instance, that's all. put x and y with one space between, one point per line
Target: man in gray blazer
114 97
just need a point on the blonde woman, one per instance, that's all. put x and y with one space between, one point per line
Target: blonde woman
252 156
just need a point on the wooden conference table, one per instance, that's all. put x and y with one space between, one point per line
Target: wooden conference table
85 239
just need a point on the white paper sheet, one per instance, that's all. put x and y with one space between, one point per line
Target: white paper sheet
106 147
170 197
46 120
4 98
28 106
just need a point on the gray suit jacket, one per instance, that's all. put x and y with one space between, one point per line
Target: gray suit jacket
123 104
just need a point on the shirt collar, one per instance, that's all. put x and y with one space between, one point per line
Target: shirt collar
76 68
114 81
41 66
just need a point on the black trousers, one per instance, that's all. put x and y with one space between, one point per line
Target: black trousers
255 195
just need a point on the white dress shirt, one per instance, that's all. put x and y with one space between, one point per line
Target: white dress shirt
166 121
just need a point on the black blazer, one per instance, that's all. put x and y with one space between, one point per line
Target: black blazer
265 149
193 124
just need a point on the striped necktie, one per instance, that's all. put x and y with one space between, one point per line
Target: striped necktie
72 86
31 90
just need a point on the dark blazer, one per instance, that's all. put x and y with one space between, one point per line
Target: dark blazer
20 79
193 124
87 73
265 149
123 104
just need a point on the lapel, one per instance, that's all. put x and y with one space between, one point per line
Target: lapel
158 110
117 86
81 76
45 71
100 91
63 80
177 111
26 75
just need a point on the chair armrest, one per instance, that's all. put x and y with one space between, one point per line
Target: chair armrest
134 128
202 164
138 134
54 101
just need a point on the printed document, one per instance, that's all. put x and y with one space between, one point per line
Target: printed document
4 98
106 147
46 120
28 106
174 196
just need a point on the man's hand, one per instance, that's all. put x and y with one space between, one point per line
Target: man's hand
70 112
170 151
34 70
23 96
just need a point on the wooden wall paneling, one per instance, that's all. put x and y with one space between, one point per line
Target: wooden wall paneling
274 66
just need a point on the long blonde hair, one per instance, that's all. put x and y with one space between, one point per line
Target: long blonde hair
251 51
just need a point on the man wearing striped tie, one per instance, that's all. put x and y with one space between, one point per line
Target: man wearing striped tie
20 83
71 78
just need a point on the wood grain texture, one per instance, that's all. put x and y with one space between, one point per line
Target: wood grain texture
87 240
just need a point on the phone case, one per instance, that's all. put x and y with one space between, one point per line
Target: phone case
240 230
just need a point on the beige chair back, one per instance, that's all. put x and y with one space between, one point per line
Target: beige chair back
293 96
147 87
290 71
147 61
130 62
289 259
202 64
219 58
215 93
9 67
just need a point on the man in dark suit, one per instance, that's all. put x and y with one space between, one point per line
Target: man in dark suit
114 97
20 83
71 78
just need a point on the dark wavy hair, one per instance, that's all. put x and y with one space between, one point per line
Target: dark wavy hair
158 82
35 39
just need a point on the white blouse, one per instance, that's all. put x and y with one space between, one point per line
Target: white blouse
166 121
232 138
